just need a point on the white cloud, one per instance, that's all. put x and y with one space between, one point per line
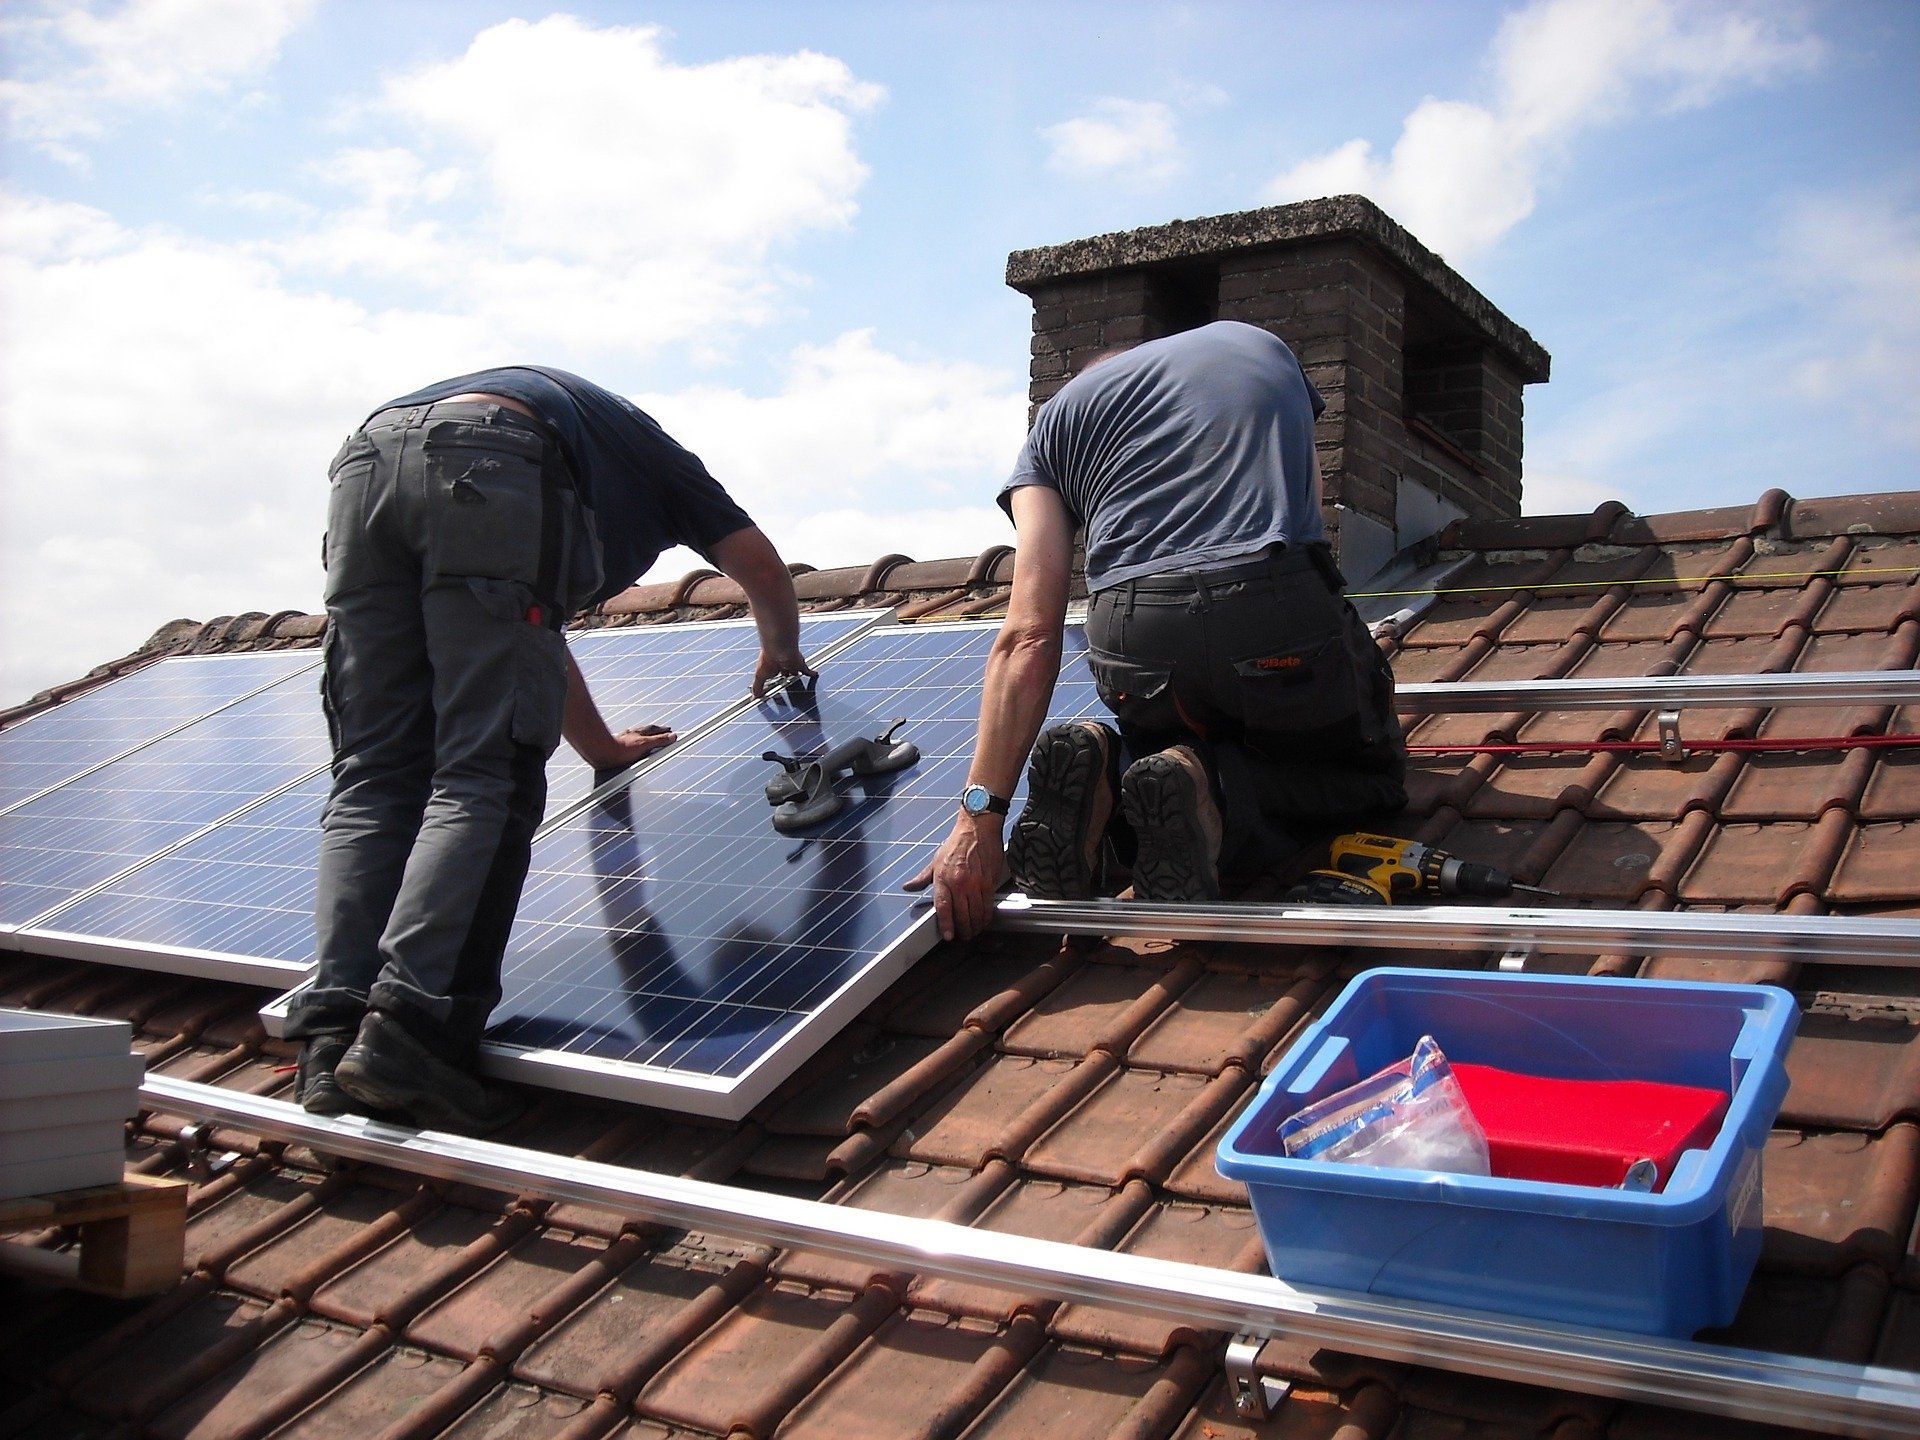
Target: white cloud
572 185
1462 175
840 464
1856 260
86 68
1137 139
167 409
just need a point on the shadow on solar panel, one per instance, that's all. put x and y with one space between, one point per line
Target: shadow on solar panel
672 946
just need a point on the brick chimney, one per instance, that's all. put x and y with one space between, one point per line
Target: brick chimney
1421 373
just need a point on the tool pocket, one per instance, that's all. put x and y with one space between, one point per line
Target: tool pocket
483 497
349 479
1310 685
1139 696
536 657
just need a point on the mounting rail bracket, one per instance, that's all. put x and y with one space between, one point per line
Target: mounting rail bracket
1671 750
1255 1396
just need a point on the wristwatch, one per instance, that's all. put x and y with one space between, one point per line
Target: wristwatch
978 800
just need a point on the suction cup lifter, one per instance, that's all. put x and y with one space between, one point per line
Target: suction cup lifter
803 795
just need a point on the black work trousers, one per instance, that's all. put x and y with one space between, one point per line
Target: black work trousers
454 550
1265 669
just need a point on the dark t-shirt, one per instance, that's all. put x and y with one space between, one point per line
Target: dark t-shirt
1184 453
646 491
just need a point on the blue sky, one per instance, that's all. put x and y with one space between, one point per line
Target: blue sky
228 228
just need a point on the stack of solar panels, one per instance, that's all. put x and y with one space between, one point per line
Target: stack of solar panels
67 1088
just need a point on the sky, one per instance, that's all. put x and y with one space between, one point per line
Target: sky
231 228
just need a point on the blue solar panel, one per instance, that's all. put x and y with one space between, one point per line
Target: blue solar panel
246 887
97 825
674 947
675 675
58 744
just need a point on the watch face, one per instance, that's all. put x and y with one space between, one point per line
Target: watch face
974 799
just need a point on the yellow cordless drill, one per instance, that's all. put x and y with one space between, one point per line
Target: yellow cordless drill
1365 869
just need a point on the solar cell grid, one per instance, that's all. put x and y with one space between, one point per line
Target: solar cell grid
97 825
674 675
246 887
58 744
671 936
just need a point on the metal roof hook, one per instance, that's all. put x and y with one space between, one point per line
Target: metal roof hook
1671 750
1255 1396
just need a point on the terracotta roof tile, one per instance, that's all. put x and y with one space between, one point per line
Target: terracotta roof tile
763 1358
620 1338
262 1382
1308 1414
402 1277
1829 1318
1091 1215
1221 1236
392 1385
1856 1072
1071 1391
1842 1199
920 1374
1878 864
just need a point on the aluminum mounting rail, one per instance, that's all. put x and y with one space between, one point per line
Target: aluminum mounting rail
1839 687
1780 1389
1824 939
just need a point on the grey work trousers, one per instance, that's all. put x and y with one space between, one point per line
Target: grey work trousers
444 685
1266 670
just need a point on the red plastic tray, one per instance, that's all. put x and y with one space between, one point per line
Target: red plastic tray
1586 1132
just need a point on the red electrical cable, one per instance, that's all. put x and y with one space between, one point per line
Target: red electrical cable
1653 747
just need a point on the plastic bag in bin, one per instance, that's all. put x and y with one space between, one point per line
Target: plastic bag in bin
1412 1114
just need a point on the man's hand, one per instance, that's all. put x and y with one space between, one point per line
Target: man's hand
965 873
617 752
775 663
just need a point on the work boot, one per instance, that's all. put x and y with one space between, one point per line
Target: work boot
1054 851
314 1085
389 1070
1169 802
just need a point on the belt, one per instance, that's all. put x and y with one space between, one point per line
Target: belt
465 406
1274 561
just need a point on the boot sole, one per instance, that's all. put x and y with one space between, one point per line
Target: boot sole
1157 798
1047 851
418 1104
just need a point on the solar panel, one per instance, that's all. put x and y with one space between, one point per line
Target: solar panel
54 746
238 900
673 947
91 828
677 676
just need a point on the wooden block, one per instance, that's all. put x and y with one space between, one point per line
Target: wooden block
132 1236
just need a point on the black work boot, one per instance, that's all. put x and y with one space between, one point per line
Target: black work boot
314 1085
389 1070
1054 851
1169 802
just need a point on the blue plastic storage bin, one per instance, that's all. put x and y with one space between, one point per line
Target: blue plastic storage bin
1665 1264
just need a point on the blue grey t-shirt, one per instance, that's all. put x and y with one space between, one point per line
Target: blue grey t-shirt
647 492
1184 453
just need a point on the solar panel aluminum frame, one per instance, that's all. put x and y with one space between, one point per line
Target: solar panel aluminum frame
153 739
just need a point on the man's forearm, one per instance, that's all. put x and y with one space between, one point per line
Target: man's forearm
750 559
1014 695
